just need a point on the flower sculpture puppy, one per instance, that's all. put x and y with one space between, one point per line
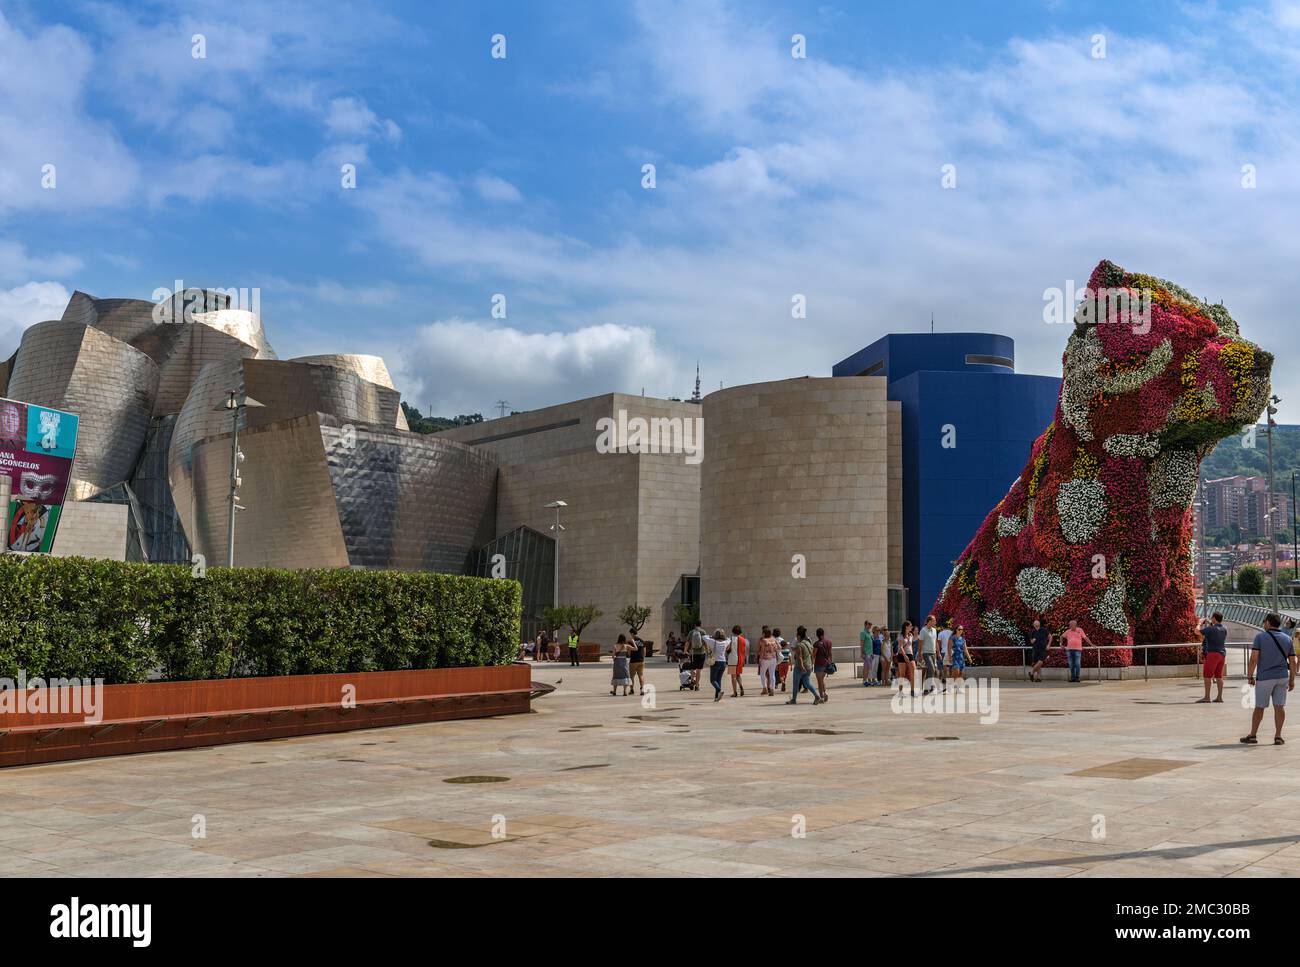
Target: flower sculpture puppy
1098 525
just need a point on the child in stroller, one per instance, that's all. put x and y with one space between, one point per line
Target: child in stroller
685 681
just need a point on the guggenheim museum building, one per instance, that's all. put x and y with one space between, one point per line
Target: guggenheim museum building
820 501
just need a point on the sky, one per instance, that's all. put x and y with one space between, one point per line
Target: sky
502 243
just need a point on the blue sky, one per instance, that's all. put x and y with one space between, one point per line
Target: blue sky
775 176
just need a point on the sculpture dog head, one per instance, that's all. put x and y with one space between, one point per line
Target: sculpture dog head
1097 527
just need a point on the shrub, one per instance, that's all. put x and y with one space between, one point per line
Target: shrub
75 617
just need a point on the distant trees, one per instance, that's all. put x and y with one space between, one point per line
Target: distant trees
419 423
1250 580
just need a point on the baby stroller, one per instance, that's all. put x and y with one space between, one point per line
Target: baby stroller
684 683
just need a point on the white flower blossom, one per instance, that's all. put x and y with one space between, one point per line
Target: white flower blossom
995 624
1109 609
1131 445
1172 478
1009 526
1081 506
1038 588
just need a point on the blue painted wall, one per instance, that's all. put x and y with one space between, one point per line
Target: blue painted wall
996 414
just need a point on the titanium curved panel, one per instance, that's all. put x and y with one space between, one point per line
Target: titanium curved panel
318 495
294 388
408 501
181 349
108 384
197 421
370 368
290 520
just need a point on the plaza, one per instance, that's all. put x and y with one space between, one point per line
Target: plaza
1112 779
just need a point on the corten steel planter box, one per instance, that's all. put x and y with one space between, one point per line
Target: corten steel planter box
156 716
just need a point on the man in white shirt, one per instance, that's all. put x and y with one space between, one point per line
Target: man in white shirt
945 654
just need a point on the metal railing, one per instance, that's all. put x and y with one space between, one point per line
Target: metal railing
1146 663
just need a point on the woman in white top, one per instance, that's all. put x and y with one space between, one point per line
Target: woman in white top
720 645
906 655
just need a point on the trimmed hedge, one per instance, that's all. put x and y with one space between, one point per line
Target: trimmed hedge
76 617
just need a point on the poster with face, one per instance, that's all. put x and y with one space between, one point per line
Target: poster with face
37 445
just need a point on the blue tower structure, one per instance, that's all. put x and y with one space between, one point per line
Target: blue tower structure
969 420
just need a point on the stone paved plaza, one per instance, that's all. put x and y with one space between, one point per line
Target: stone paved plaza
599 786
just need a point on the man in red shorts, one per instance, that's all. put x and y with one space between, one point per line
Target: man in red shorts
1214 639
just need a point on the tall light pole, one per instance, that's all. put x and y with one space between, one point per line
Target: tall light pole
235 405
1270 410
557 528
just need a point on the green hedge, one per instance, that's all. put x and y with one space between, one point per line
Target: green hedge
75 617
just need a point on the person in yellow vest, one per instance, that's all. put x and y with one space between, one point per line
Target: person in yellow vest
573 649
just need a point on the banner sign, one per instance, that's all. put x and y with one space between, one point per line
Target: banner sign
37 445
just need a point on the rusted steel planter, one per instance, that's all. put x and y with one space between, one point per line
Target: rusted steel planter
156 716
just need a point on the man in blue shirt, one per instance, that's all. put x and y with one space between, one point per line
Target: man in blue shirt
1272 671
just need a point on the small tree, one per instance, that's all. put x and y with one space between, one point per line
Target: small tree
575 616
686 615
1250 580
634 617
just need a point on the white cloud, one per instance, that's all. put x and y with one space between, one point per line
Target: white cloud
44 123
17 265
26 305
349 117
494 189
463 366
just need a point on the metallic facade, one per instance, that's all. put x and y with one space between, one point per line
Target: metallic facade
332 477
108 383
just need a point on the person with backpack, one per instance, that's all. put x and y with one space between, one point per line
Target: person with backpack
1272 672
697 652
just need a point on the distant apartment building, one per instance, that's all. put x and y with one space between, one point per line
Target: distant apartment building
1244 501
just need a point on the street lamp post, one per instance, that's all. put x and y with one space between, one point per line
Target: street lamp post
557 528
1270 410
235 404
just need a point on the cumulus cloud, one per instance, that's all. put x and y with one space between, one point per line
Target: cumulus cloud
462 366
25 305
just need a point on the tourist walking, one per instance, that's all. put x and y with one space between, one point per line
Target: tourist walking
956 653
721 647
769 650
697 652
622 674
1272 672
1040 639
823 662
801 656
636 661
1075 638
573 649
945 633
784 658
736 661
1214 647
903 652
929 654
885 649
